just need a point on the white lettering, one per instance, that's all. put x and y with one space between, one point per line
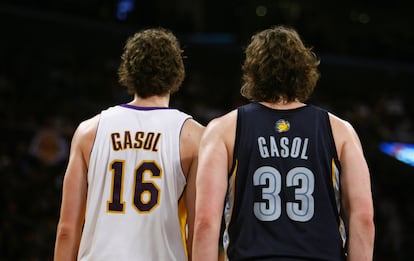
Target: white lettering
284 144
283 148
264 152
305 149
274 151
295 150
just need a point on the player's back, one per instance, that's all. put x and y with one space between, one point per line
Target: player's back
283 194
135 182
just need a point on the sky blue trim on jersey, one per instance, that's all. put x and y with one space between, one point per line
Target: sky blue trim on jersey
144 108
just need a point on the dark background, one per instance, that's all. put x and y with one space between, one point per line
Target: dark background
58 63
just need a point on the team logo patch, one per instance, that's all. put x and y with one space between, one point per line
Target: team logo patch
282 126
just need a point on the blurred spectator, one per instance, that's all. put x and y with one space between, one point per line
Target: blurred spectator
49 146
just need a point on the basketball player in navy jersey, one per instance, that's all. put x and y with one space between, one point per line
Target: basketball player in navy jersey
132 165
290 177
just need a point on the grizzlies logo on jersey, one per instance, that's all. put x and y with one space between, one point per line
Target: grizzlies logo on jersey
282 126
283 188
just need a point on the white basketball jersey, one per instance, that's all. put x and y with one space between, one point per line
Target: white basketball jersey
135 182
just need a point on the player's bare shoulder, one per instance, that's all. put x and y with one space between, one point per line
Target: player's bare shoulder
84 136
222 129
190 137
339 123
87 129
224 123
192 131
343 132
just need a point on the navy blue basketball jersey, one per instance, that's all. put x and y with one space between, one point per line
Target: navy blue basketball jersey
283 199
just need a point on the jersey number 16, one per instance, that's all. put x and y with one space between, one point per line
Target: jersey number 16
145 193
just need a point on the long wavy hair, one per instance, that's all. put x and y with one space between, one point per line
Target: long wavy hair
278 67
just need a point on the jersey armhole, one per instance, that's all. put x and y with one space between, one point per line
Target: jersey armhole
236 141
332 143
183 121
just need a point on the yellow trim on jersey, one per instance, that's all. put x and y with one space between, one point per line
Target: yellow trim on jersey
182 217
228 213
337 191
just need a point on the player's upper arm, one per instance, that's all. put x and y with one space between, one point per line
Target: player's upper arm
355 176
75 179
215 158
189 143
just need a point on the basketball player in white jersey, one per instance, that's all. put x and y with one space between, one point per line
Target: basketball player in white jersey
131 168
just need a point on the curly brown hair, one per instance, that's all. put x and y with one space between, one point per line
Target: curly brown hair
152 63
278 67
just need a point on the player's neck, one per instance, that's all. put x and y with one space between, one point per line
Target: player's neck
152 101
283 105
